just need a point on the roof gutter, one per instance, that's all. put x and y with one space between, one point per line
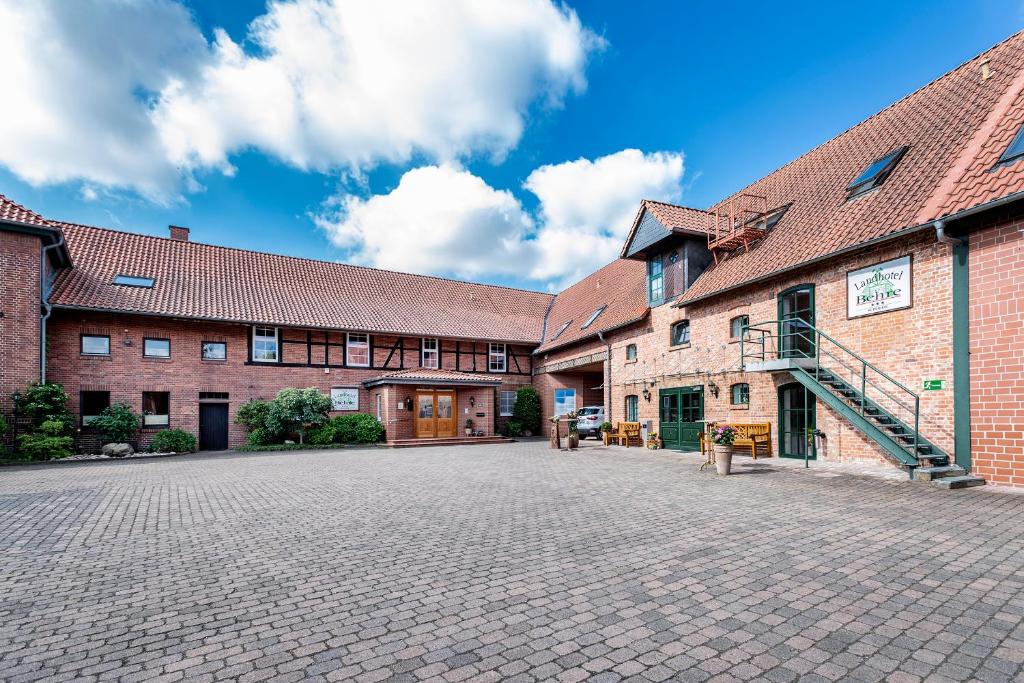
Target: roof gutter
994 204
44 296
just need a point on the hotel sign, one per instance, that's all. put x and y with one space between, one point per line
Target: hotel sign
343 398
880 288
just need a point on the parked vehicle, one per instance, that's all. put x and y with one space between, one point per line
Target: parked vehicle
591 419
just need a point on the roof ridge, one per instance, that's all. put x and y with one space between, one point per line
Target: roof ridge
675 206
62 224
22 208
875 115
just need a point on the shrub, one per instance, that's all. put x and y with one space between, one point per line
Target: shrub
173 441
44 446
3 426
527 409
606 426
356 428
117 423
298 410
42 402
255 417
513 428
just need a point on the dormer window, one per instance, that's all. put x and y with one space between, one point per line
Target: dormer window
1016 149
593 317
133 281
876 173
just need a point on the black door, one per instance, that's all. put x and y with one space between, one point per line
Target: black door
796 422
213 426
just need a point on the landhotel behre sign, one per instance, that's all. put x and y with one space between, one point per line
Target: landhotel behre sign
879 288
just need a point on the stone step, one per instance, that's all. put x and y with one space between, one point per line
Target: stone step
933 473
958 482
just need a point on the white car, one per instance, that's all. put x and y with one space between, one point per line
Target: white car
591 419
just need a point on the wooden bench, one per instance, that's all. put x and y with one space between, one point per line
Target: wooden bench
748 435
627 434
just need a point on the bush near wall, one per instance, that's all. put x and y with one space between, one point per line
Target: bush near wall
173 441
48 443
527 409
357 428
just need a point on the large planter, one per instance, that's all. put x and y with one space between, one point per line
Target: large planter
573 441
723 458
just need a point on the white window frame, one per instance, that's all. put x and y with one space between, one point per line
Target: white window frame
380 408
435 353
256 337
567 392
350 344
497 351
510 410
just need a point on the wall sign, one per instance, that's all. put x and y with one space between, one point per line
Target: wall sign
344 399
934 384
880 288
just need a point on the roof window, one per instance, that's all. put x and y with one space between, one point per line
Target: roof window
876 173
1016 149
133 281
561 329
593 317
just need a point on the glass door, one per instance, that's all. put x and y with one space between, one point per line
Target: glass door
425 425
796 313
668 423
681 412
445 413
796 422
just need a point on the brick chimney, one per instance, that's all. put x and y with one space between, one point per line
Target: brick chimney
179 233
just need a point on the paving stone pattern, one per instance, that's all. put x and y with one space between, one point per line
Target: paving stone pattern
507 562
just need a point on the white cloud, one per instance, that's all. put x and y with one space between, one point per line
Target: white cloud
130 94
446 221
438 220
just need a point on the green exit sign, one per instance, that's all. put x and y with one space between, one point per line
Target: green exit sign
934 384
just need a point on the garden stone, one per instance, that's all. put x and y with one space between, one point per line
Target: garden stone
118 450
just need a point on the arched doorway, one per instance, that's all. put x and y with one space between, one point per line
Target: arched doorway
797 422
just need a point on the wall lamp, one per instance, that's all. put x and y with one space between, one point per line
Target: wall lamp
713 388
472 401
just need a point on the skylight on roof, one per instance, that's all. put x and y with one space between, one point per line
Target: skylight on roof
133 281
562 329
1016 149
593 317
876 172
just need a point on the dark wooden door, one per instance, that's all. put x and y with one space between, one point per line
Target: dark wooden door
682 409
213 426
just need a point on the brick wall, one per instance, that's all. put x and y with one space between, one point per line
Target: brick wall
912 345
19 322
997 352
126 373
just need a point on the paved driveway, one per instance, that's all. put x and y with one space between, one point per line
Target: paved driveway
508 562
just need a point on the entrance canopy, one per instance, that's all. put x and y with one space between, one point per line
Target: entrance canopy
428 377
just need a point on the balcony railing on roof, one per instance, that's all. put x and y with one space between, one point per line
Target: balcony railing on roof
736 223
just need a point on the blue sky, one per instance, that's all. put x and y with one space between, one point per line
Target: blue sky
704 117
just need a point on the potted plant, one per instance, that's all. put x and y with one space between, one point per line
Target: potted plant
469 427
573 419
722 438
606 429
653 442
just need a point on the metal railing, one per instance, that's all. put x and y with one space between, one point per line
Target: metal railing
795 338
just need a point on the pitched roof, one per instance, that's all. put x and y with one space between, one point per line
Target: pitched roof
194 280
674 218
16 213
956 127
434 377
621 286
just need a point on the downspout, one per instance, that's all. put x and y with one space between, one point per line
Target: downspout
961 323
607 377
44 297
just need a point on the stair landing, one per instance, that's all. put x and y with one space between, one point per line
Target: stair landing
446 441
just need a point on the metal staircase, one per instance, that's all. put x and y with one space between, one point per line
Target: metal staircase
881 408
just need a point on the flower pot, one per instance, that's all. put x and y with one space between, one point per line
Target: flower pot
574 441
723 458
469 431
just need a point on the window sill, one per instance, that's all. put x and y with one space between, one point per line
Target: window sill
96 356
159 359
630 362
156 427
214 360
679 347
738 407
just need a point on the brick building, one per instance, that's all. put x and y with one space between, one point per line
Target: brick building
865 301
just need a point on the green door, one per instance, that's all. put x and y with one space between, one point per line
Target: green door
796 307
681 409
796 422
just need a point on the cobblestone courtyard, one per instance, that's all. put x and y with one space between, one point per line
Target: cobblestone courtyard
507 562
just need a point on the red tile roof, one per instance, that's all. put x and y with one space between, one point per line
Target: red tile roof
621 286
427 376
956 127
16 213
218 283
676 217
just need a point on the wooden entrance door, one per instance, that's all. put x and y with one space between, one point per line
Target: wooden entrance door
213 426
435 413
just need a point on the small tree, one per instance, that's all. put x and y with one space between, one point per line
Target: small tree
43 402
527 409
255 417
299 410
117 423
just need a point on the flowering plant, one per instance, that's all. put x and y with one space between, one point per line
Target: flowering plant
724 435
